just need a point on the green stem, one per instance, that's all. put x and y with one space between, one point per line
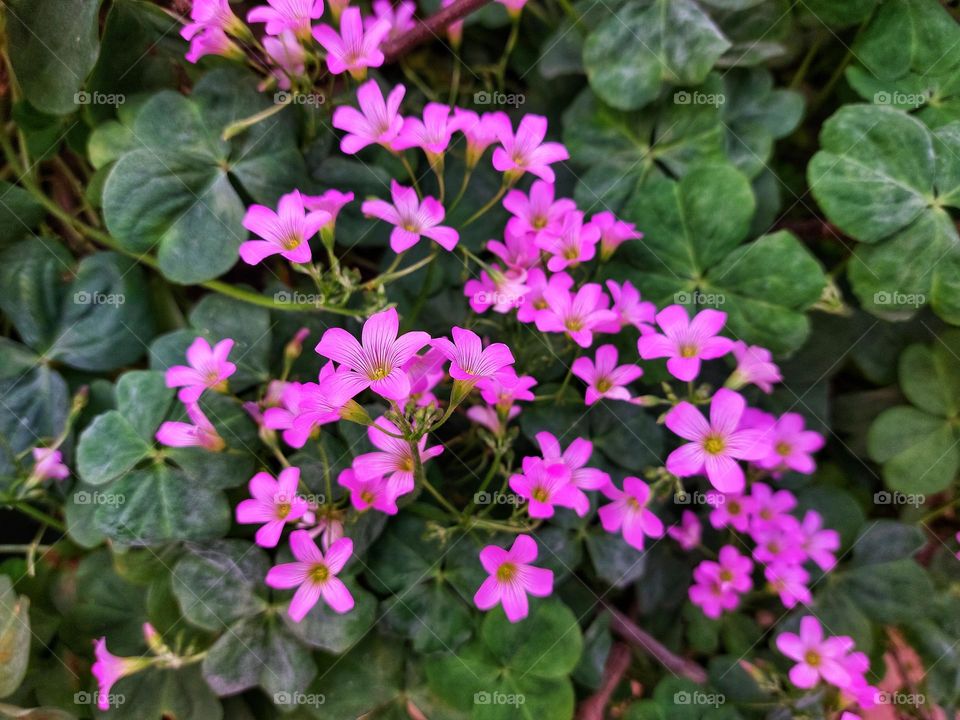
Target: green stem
389 275
235 128
504 186
463 189
507 50
39 516
411 173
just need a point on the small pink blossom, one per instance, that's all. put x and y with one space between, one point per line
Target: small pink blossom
500 290
512 577
714 446
613 232
480 131
281 417
109 668
513 6
545 485
352 49
369 492
730 510
686 342
719 584
287 56
754 365
274 503
286 232
790 445
377 122
789 581
576 315
769 506
819 543
393 458
629 308
779 543
816 656
425 373
400 18
688 532
330 202
571 244
432 134
518 252
283 16
534 301
454 29
316 404
491 418
574 459
525 150
469 360
48 464
212 20
412 217
377 361
536 214
314 574
604 378
629 514
506 387
201 433
208 369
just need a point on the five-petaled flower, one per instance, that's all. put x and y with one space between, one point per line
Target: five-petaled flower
274 503
684 341
512 577
314 574
412 217
208 369
286 231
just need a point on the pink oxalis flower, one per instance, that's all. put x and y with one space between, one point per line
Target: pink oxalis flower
201 433
545 485
286 232
412 218
576 315
526 152
574 459
377 122
613 232
604 378
685 342
718 585
754 365
369 492
109 668
274 503
393 457
480 131
536 214
208 369
688 532
629 514
816 656
212 21
571 244
469 360
314 574
352 49
287 15
790 446
512 577
48 464
432 134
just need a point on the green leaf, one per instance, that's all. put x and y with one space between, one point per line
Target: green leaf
547 643
616 562
432 616
891 592
109 447
219 583
180 693
15 359
53 45
143 399
160 504
887 540
35 405
333 632
176 192
644 44
918 451
14 637
19 213
930 376
366 678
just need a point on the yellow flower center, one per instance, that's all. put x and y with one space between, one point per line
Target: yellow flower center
283 509
506 572
783 449
539 222
319 573
380 372
714 444
726 576
812 657
688 351
291 242
540 494
367 497
604 384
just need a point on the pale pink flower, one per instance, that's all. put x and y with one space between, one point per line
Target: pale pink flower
48 464
318 403
399 17
571 244
819 543
688 532
545 485
480 131
686 342
604 378
613 232
208 33
469 360
208 368
425 373
790 445
574 459
789 581
500 290
412 217
432 134
576 315
377 122
393 458
769 506
730 510
369 492
518 252
286 232
781 542
715 446
201 433
719 584
506 387
287 56
352 49
629 308
274 503
536 214
754 365
377 361
492 418
525 151
512 577
283 16
314 574
109 668
629 514
816 656
537 282
330 202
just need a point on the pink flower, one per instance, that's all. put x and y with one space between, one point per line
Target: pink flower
719 584
314 574
377 361
513 6
287 15
512 577
207 34
506 387
789 445
287 55
201 433
817 657
425 373
518 252
48 463
818 543
369 492
400 18
537 214
208 368
790 582
502 291
287 231
525 151
337 7
730 510
412 217
376 122
274 503
352 49
432 134
688 532
480 131
314 404
769 507
574 458
491 418
572 244
394 458
604 378
613 232
779 543
754 365
454 29
685 342
469 360
629 514
537 283
545 485
330 202
576 315
716 445
629 308
108 668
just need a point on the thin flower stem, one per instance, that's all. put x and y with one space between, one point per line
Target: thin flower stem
389 275
411 173
508 50
40 516
463 189
504 186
